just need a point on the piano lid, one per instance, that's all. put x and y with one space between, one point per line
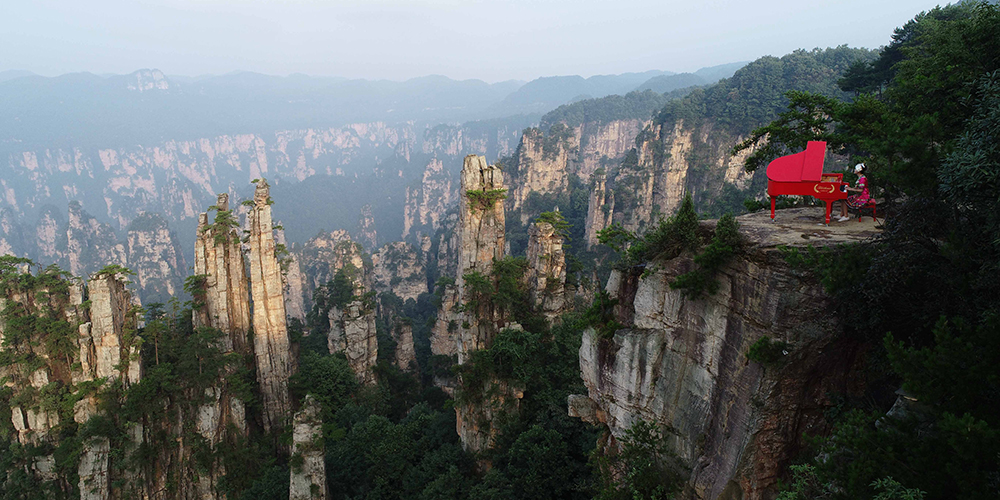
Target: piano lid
798 167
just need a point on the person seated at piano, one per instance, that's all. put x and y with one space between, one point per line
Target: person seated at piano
855 200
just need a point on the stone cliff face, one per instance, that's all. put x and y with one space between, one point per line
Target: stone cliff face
602 145
89 242
399 268
673 159
406 356
226 307
99 344
352 331
427 204
600 207
315 263
544 165
108 350
220 260
444 334
176 177
474 422
271 344
352 325
82 245
546 274
147 80
450 140
110 316
481 237
681 363
480 240
547 160
447 246
155 256
308 474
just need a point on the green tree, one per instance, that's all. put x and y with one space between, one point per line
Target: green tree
924 120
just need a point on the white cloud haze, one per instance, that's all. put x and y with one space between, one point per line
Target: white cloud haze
400 39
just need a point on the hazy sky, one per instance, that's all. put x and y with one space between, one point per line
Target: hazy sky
400 39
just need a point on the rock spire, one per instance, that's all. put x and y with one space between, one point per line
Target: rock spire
271 344
308 475
546 274
217 257
481 240
600 208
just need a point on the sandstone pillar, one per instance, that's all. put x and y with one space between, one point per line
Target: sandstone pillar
600 209
481 241
406 357
367 235
218 257
444 334
110 304
308 472
546 274
271 344
353 331
105 341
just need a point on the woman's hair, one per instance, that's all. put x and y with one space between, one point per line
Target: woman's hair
860 168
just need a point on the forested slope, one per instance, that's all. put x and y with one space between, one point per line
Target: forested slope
922 296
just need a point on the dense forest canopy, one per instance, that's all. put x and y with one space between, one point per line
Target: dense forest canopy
755 93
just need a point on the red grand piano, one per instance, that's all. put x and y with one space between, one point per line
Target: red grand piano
801 174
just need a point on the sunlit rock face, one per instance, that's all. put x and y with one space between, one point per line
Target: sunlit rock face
316 263
682 363
224 299
220 261
271 345
480 241
102 349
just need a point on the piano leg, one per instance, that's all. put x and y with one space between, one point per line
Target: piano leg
772 209
829 208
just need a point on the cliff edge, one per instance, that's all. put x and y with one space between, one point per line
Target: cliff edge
682 363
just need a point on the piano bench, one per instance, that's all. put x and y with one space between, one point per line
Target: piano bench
870 204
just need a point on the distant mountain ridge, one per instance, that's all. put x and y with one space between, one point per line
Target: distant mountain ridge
14 73
547 93
87 110
147 106
704 76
